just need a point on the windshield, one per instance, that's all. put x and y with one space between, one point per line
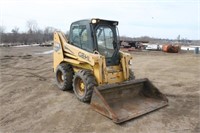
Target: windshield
105 39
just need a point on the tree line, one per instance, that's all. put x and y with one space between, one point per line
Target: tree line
32 35
36 35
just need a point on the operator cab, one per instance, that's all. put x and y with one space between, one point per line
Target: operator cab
97 36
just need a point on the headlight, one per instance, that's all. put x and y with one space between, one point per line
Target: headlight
94 21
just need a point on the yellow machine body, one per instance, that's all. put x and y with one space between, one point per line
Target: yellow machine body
115 95
81 59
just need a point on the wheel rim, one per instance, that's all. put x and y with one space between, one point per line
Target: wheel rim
60 77
80 87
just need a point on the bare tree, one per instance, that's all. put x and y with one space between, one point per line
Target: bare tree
49 30
15 36
15 30
2 30
32 26
48 33
178 38
67 34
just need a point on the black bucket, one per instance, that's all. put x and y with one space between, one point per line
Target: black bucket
127 100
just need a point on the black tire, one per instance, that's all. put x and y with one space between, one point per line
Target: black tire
83 84
64 76
131 75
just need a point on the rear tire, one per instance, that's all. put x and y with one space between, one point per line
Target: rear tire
131 75
83 84
64 76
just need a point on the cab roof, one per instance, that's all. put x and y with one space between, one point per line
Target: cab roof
97 21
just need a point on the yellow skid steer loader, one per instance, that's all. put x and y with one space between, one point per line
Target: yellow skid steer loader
90 63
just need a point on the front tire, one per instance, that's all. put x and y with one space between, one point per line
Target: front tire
131 75
83 84
64 76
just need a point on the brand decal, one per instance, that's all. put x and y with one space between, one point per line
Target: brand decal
56 47
84 56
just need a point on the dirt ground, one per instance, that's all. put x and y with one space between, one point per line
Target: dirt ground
31 102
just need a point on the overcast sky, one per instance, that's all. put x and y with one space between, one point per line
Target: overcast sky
154 18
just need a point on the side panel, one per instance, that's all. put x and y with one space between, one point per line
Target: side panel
98 71
115 74
78 58
125 58
58 52
81 59
115 77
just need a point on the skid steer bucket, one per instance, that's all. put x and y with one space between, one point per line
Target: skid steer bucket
124 101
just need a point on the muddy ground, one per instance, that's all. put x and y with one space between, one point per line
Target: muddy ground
31 102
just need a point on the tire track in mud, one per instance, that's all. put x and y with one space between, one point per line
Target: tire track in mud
41 78
181 108
31 71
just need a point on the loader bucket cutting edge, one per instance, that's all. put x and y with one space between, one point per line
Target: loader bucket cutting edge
124 101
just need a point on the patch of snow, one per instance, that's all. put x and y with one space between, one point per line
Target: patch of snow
35 44
187 48
27 45
19 46
46 52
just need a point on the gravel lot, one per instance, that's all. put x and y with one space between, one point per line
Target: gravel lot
31 102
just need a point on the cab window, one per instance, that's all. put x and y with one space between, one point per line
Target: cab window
75 35
80 37
105 38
